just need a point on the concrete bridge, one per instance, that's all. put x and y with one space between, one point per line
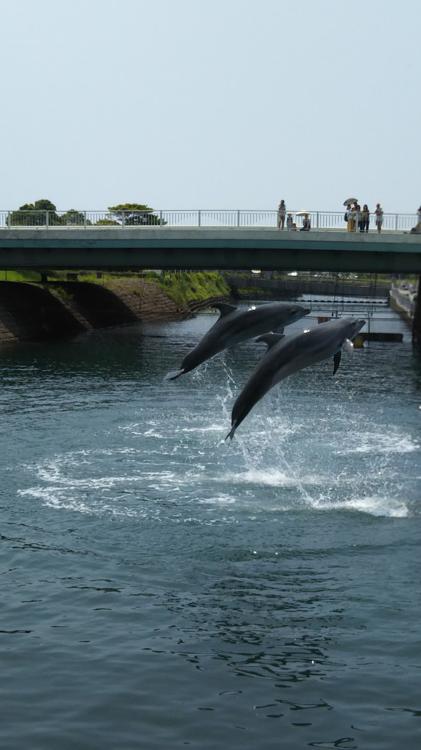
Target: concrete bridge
223 248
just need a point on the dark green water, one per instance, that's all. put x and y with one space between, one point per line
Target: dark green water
161 588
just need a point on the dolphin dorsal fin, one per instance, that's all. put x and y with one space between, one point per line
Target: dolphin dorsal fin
224 308
336 360
270 339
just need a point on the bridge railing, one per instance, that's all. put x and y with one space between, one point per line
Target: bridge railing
320 220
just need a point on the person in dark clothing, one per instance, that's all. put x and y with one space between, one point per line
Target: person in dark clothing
365 219
306 224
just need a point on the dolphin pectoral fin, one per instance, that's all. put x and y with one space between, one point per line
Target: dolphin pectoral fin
336 360
224 308
270 339
174 374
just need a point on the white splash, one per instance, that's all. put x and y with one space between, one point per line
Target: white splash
378 442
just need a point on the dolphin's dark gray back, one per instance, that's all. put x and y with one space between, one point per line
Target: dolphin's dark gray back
234 326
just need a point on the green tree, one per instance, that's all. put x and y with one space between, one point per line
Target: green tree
74 218
35 214
135 214
107 223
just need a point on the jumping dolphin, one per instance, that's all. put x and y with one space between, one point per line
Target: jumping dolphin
289 354
234 326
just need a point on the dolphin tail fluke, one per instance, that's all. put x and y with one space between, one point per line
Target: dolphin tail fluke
232 430
174 374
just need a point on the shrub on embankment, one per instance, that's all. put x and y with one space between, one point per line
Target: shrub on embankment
190 286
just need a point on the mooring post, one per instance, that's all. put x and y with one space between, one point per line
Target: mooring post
416 323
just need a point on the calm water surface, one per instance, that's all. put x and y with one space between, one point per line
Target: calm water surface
161 588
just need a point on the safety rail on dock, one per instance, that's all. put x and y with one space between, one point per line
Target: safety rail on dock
206 218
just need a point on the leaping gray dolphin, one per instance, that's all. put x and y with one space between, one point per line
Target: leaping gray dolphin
289 354
234 326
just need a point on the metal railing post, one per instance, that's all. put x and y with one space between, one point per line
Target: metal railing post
317 220
396 222
84 219
199 218
238 218
123 218
8 220
47 219
160 218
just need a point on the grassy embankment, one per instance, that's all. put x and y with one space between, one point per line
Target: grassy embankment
191 286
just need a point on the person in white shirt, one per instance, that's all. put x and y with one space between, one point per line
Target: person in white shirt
379 217
281 214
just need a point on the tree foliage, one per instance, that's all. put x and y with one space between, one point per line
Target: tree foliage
107 223
135 214
43 212
74 218
35 214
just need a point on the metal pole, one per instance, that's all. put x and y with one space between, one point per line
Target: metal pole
396 222
238 218
317 220
84 219
122 219
47 219
160 218
199 218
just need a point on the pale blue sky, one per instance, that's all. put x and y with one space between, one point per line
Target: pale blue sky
210 103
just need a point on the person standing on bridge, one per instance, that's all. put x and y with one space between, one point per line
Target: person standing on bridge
365 219
290 222
379 217
350 214
357 209
282 210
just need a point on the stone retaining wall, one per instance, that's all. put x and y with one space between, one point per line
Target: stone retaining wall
35 312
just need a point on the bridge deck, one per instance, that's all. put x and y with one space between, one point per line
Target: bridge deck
131 248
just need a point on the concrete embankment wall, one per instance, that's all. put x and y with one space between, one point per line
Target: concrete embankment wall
35 312
408 305
402 303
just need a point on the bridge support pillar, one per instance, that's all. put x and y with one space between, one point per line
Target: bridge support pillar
416 323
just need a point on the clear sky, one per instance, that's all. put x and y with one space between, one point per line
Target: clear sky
210 103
